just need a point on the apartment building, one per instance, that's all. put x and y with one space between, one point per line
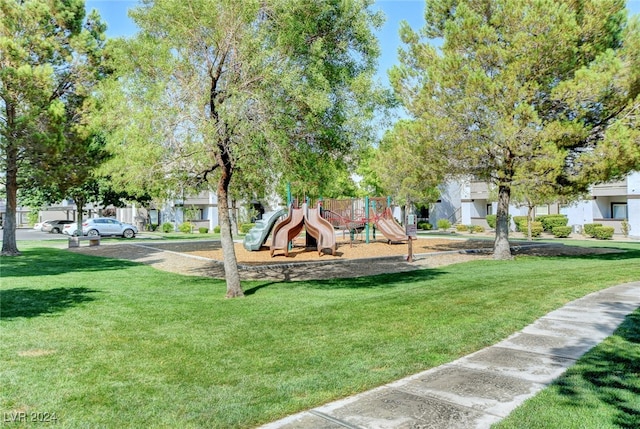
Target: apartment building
609 204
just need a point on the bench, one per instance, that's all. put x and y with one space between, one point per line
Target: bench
75 241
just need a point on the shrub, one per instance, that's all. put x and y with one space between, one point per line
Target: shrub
425 226
625 228
167 227
561 231
536 228
492 220
603 232
216 229
443 224
521 223
152 227
589 228
245 227
477 228
551 221
462 228
186 227
203 230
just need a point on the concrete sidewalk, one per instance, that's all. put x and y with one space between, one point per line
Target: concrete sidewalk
484 387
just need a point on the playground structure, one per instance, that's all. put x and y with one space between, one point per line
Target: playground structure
290 227
357 217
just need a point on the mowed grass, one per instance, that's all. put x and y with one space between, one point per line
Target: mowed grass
108 343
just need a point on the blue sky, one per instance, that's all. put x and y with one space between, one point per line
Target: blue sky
114 13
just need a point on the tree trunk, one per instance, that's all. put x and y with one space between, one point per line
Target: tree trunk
80 206
9 245
233 216
232 276
501 248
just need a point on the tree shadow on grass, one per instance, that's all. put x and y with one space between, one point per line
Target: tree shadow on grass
609 374
49 262
380 281
22 302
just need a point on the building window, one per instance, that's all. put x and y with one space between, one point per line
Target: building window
619 210
542 210
489 209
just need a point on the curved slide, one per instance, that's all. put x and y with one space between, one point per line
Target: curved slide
320 229
391 229
286 230
257 236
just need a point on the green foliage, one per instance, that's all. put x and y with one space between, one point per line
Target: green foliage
33 216
186 227
51 61
603 232
590 229
538 98
551 221
536 228
491 220
520 223
246 227
152 227
425 226
167 227
561 231
216 229
443 224
462 228
203 230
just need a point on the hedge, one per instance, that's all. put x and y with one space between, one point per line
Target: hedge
203 230
561 231
551 221
462 228
424 225
589 229
167 227
246 227
603 232
520 220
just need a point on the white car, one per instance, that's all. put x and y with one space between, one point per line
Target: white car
70 229
108 226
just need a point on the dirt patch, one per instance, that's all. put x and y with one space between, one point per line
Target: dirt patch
204 258
345 250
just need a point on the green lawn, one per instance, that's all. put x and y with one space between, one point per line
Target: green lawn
107 343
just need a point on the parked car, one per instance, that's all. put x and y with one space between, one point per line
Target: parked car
70 229
55 226
38 226
108 226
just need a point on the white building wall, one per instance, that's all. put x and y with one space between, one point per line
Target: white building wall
633 204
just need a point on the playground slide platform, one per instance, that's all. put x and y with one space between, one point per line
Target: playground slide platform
257 236
320 229
286 230
391 229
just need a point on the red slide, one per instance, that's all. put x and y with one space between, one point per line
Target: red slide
391 229
320 229
286 230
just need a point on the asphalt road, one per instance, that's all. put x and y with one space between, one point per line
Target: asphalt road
32 234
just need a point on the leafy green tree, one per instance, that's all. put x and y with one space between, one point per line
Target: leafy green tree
517 81
400 162
49 62
216 93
